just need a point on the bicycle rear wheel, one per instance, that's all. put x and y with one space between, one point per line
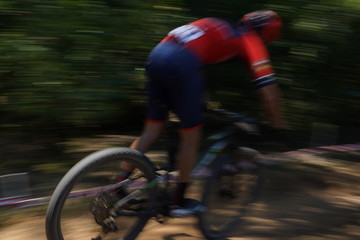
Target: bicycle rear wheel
234 183
82 205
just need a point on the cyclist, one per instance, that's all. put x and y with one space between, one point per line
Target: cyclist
175 82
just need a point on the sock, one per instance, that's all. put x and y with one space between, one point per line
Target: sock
178 198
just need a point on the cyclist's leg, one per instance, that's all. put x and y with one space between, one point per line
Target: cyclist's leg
174 82
187 104
188 151
155 123
185 160
158 101
151 133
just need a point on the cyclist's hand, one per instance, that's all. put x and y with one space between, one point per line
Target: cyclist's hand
283 140
280 136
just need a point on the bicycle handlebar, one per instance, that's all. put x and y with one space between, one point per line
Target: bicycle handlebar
242 121
238 117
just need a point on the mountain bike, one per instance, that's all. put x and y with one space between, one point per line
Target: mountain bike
96 200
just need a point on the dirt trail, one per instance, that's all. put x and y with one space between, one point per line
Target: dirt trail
309 197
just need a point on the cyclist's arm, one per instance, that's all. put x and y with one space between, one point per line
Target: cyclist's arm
258 59
271 101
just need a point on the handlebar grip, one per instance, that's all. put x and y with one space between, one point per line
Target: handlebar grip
236 117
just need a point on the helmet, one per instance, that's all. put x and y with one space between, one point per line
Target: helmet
266 22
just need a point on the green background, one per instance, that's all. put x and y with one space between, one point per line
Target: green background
76 68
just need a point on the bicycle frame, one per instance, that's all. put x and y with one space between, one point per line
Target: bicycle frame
157 182
220 141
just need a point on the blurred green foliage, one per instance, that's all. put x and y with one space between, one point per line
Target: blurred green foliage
69 64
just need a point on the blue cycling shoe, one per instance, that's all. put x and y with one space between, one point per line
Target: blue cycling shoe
191 207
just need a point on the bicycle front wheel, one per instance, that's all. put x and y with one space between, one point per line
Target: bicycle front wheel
234 183
95 200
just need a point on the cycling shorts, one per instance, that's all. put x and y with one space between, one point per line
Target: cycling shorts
175 84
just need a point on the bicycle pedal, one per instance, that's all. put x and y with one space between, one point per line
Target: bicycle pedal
110 224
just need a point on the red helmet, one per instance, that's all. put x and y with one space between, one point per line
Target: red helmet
266 22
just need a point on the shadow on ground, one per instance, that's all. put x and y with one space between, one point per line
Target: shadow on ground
307 196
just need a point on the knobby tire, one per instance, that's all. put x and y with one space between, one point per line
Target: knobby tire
226 202
87 169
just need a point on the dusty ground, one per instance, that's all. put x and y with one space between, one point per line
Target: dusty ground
314 197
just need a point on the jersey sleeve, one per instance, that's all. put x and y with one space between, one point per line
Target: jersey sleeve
257 57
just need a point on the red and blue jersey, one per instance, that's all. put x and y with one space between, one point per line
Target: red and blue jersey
215 40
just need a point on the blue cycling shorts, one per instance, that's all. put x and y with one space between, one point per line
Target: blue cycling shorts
175 84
